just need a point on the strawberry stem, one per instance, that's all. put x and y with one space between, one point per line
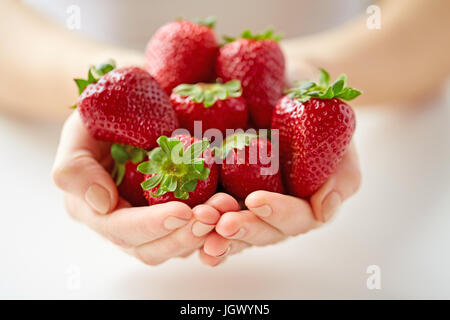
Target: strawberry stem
175 169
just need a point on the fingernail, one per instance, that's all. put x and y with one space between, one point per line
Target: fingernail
263 211
225 252
200 229
239 234
330 205
173 223
98 198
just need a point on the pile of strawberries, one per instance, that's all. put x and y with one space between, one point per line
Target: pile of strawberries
189 77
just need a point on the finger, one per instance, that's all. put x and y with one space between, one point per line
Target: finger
236 246
223 202
187 254
247 227
206 218
342 184
210 260
290 215
216 245
129 227
77 169
177 244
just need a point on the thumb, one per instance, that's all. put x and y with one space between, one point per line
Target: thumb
77 170
342 184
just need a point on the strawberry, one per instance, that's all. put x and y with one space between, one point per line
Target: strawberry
216 105
258 62
315 128
125 106
128 179
244 169
182 52
180 169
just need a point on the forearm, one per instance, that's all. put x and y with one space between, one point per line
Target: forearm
405 59
39 60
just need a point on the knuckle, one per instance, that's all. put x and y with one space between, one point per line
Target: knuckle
187 239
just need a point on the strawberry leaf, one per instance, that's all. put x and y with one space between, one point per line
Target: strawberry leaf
148 167
324 78
266 35
173 167
99 70
152 182
238 141
209 22
349 94
309 89
121 154
81 84
210 93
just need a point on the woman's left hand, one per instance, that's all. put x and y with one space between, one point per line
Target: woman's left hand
273 217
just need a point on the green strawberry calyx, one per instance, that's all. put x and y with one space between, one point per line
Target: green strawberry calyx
175 169
210 93
121 155
237 141
209 22
269 34
324 90
94 74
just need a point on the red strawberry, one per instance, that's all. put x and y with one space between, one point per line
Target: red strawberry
130 188
181 169
247 165
128 179
315 129
216 105
125 106
258 62
182 52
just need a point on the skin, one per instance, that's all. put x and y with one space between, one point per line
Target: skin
81 161
288 216
410 41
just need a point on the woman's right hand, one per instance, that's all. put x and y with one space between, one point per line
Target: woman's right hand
153 234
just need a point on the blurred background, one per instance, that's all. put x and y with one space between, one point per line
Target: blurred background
132 24
398 221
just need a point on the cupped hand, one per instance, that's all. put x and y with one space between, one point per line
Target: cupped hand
153 234
273 217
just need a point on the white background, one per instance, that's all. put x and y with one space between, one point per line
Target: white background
398 221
